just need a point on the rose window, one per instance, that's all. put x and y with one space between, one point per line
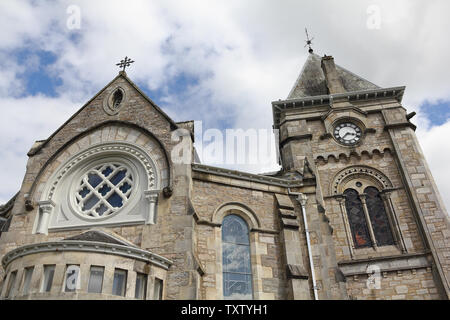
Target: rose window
103 190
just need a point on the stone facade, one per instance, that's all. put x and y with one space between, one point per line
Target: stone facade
300 237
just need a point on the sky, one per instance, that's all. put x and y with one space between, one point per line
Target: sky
219 62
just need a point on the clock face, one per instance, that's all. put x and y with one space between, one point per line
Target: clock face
347 133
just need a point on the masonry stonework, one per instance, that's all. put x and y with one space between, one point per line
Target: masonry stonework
303 241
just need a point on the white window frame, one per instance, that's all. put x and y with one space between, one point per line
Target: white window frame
27 277
49 269
158 289
96 268
141 290
11 284
124 283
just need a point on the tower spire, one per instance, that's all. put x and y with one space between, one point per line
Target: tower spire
308 41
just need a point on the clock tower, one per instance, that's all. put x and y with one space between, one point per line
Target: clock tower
372 184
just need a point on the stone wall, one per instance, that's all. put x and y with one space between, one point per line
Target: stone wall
140 122
401 285
268 269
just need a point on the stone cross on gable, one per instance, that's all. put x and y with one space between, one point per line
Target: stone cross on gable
124 63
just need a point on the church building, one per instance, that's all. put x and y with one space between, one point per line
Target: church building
107 210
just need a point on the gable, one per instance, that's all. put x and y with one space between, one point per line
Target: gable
136 108
100 236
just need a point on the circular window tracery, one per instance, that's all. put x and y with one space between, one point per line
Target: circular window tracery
103 190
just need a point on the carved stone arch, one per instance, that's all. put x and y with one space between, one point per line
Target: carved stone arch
102 150
378 179
90 131
238 209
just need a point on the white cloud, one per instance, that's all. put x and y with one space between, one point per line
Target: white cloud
24 121
244 55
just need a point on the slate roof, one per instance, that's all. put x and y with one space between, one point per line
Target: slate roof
311 81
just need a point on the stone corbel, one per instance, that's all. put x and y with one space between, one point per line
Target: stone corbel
45 211
294 271
152 198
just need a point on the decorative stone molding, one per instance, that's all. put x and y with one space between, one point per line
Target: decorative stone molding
284 201
386 264
400 126
350 172
327 100
307 136
239 209
289 223
294 271
347 154
115 147
87 246
62 187
246 176
108 102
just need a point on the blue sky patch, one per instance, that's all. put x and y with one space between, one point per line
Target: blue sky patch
438 113
36 76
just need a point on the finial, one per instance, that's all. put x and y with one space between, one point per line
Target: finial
308 41
124 63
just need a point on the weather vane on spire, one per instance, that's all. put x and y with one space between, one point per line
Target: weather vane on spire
124 63
308 41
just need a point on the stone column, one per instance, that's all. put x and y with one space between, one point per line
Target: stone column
45 210
369 223
152 198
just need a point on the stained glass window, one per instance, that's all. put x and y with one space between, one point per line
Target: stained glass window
357 219
237 274
378 217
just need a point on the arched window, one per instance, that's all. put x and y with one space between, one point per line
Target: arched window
117 98
378 217
237 274
357 219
